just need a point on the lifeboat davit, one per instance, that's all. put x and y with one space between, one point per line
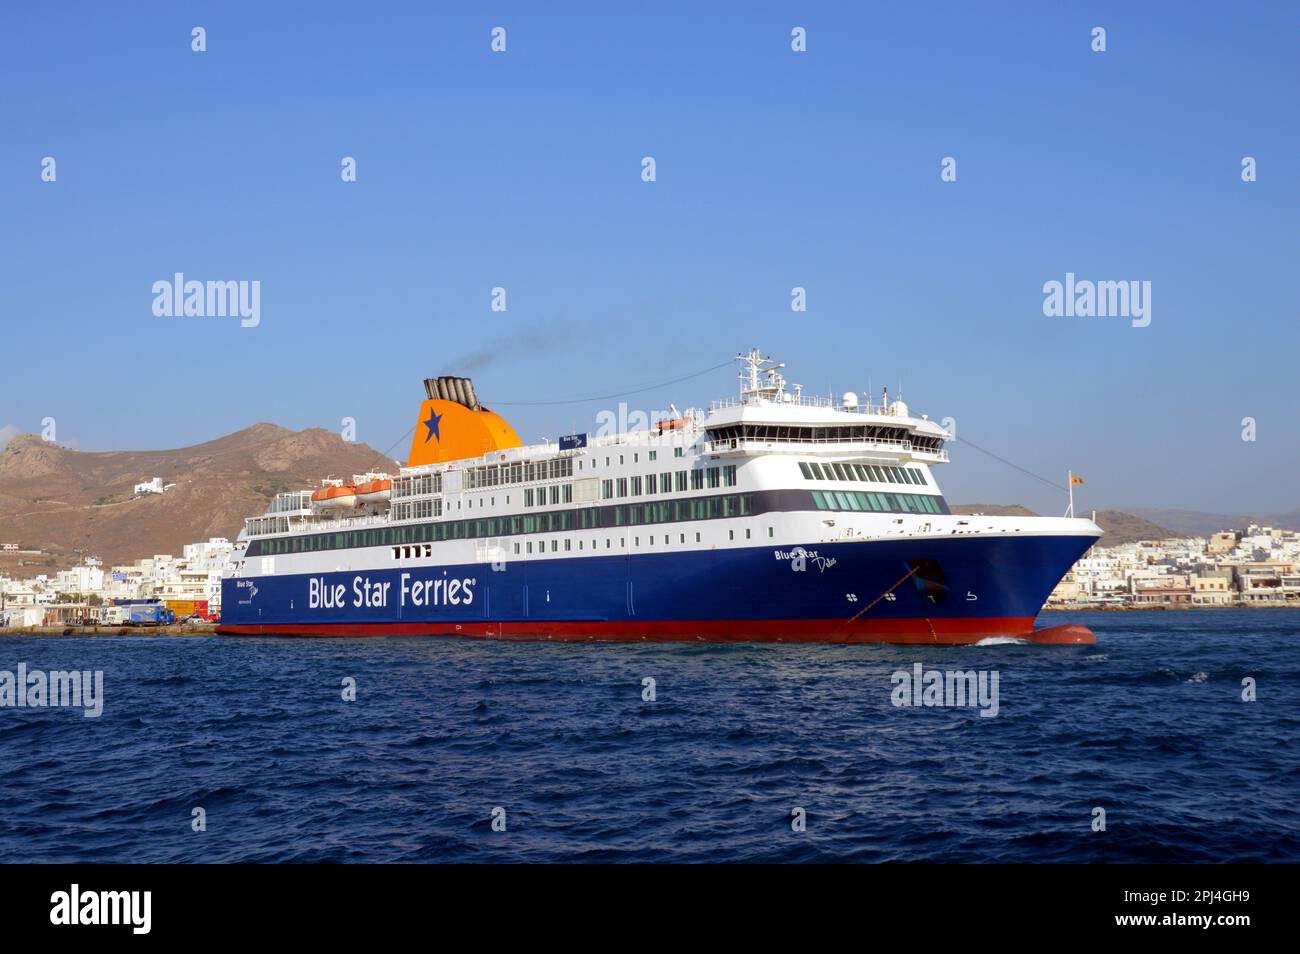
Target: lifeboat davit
335 497
375 491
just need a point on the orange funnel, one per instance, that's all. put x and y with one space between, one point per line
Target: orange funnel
448 430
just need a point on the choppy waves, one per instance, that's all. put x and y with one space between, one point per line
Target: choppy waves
1148 725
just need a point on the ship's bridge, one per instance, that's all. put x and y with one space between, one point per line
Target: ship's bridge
767 419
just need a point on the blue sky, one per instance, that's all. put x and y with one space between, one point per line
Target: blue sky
775 169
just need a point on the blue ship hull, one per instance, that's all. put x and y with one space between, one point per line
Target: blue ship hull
916 589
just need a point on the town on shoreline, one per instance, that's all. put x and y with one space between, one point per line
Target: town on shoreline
1257 567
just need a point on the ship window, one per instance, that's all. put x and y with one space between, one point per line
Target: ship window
654 455
731 534
636 486
729 475
651 483
681 480
807 471
677 452
770 534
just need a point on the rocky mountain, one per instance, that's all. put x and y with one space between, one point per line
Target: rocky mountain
66 501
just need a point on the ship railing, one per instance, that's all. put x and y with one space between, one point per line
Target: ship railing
758 445
804 400
320 525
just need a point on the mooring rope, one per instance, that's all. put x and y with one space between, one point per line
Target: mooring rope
901 580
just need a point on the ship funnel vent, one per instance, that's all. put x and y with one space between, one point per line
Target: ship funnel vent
449 388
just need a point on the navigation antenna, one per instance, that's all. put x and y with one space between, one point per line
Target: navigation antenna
760 383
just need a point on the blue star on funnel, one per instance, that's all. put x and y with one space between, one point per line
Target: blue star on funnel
432 425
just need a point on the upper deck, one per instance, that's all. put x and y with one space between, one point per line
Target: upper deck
758 441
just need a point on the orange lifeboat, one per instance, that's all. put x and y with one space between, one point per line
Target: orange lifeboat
335 497
375 491
673 424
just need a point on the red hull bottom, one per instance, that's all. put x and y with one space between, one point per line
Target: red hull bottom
930 632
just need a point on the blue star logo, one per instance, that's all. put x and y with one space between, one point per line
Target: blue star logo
432 425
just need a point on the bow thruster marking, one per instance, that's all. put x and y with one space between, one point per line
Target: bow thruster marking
901 580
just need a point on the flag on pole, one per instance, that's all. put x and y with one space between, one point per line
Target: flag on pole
1075 480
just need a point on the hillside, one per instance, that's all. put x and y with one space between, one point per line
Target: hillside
1120 526
1197 523
62 500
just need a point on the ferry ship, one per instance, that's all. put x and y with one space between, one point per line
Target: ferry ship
774 516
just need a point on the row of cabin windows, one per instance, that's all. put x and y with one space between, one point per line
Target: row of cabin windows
622 458
866 473
417 509
497 475
650 541
700 478
417 486
807 434
587 518
876 503
542 496
734 433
